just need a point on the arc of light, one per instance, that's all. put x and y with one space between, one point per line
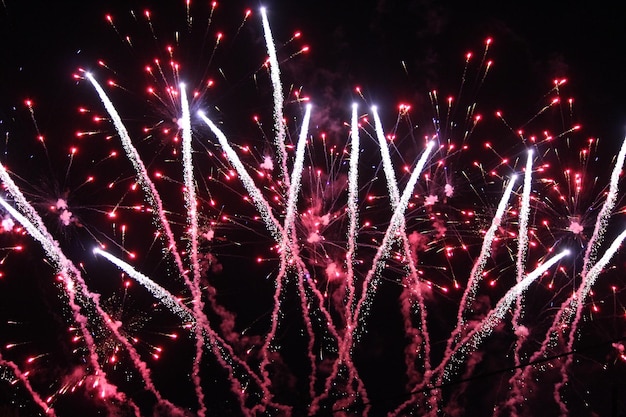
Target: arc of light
274 227
277 90
575 310
288 246
192 221
259 201
566 312
357 321
471 342
164 296
353 208
416 292
397 220
522 247
479 265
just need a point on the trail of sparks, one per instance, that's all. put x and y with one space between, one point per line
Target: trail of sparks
222 351
571 308
277 86
353 210
192 222
477 270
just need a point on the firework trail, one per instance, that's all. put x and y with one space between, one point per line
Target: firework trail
285 238
277 86
522 248
286 244
355 326
412 294
469 294
591 269
353 209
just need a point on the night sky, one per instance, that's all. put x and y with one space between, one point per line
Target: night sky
394 52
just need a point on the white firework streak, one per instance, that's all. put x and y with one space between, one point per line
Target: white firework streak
577 305
290 247
223 352
606 211
286 245
261 204
192 222
353 209
522 247
190 189
286 239
453 360
277 87
164 296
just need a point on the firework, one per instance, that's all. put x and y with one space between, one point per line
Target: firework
359 272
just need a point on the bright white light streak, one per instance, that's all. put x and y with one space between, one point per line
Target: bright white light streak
387 165
473 340
396 222
190 184
476 274
164 296
353 208
298 166
603 217
522 239
277 90
255 194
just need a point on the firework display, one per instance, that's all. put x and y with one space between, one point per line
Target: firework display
217 239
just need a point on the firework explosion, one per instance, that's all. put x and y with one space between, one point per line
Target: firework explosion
307 267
